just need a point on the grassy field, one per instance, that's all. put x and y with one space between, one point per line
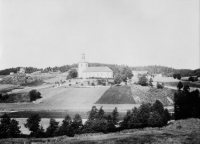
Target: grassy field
117 95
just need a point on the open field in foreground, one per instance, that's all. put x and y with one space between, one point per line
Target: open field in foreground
178 132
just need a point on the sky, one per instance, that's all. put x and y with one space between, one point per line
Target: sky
42 33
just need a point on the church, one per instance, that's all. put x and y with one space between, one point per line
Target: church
84 71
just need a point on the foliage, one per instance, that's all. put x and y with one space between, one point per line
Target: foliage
99 122
143 81
159 86
158 106
155 120
33 124
9 128
117 79
177 76
34 95
146 115
186 104
180 85
73 73
193 79
126 73
66 127
92 84
150 82
115 115
77 124
52 128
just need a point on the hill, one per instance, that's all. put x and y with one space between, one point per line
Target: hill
136 94
117 95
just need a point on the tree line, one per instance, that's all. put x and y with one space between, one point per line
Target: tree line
186 102
168 71
147 115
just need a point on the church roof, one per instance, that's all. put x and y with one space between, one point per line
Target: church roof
97 69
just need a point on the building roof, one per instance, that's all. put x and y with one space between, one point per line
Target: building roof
97 69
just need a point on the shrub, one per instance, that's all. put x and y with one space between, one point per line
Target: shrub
117 79
5 97
143 81
92 84
180 85
34 95
159 86
70 84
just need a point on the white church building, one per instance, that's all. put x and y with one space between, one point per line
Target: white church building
86 72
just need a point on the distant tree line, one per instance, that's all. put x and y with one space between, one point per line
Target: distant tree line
147 115
168 71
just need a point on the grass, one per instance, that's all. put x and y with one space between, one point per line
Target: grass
117 95
16 98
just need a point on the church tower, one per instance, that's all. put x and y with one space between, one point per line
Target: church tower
82 65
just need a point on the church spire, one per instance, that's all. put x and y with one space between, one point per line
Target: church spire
83 56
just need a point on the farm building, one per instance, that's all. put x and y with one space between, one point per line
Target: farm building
85 72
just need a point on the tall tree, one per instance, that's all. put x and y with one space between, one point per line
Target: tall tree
52 128
33 124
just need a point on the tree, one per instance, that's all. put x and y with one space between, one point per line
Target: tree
117 79
52 128
143 114
9 128
178 76
101 113
155 120
158 106
93 113
77 123
34 94
150 82
180 85
159 86
73 73
165 117
33 124
126 73
66 127
143 81
115 115
186 88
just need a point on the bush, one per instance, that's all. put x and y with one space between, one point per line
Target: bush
34 95
70 84
143 81
92 84
159 86
117 79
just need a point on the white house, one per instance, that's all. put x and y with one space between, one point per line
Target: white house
85 72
